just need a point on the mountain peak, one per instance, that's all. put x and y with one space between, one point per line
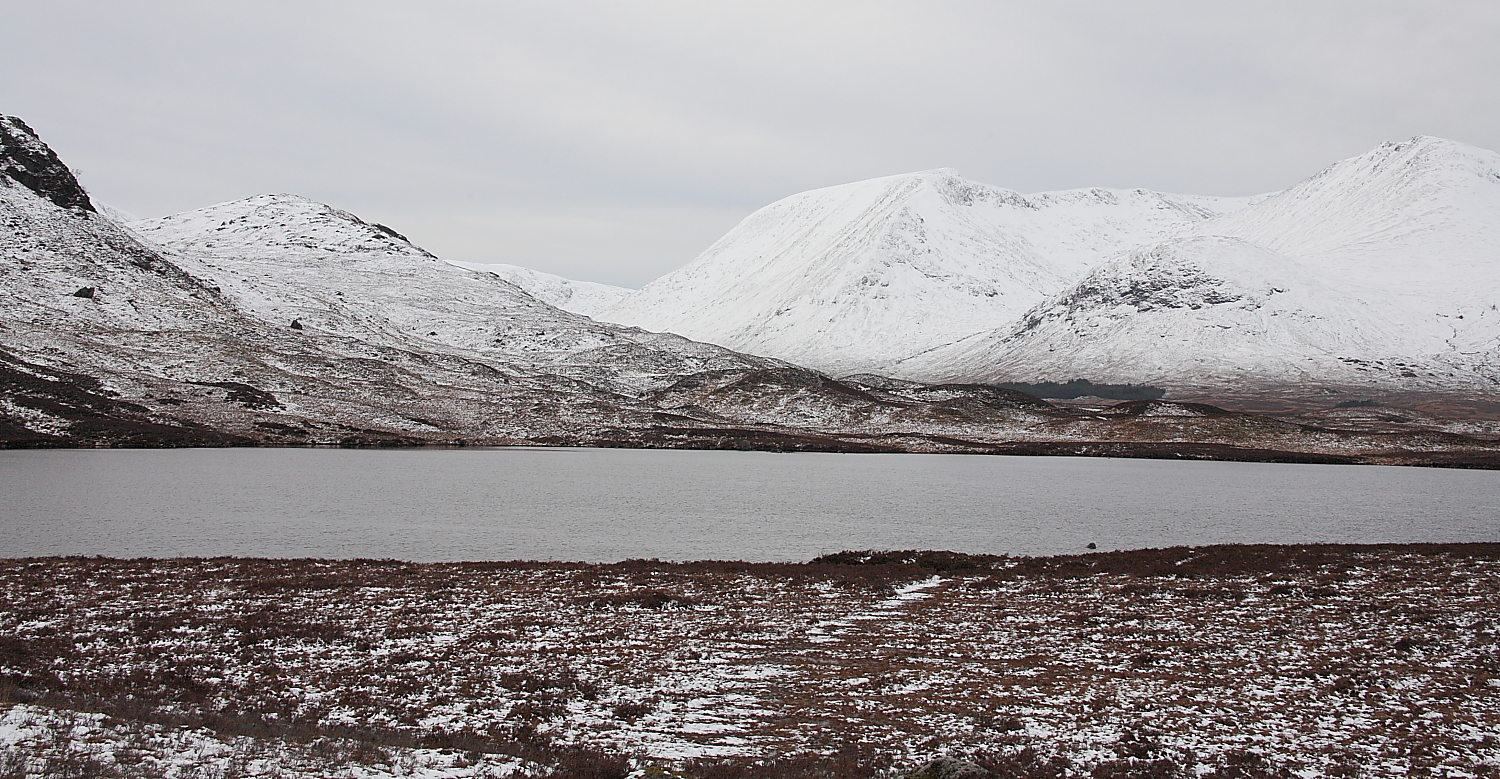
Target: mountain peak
1425 155
277 219
1399 194
1425 142
845 278
940 173
30 162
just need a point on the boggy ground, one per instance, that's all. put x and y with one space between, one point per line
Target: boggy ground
1231 661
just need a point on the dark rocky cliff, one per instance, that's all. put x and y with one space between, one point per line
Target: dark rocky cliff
32 164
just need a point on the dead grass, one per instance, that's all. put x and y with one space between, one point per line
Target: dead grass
1240 661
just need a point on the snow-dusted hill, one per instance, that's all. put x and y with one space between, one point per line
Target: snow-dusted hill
580 297
284 258
849 277
277 318
1382 271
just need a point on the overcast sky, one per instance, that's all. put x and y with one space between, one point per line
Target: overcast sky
613 141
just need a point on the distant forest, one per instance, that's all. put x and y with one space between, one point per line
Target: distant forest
1079 388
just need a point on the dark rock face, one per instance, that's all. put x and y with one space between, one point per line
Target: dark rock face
33 164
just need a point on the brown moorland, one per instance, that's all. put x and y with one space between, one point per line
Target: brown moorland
1227 661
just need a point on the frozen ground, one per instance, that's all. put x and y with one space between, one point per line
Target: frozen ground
1217 661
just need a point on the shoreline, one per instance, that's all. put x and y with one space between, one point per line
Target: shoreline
757 441
1258 557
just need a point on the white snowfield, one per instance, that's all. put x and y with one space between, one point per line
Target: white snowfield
1382 270
580 297
855 277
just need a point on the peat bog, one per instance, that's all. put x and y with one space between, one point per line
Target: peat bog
1228 661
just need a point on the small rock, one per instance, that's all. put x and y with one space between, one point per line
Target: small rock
296 324
1093 545
84 292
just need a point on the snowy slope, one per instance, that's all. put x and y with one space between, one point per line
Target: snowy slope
69 271
114 214
284 258
848 277
280 320
284 319
101 337
580 297
1382 270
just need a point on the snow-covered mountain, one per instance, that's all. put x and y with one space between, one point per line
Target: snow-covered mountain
580 297
276 319
850 277
1381 271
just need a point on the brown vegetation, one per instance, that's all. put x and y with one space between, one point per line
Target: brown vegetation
1232 661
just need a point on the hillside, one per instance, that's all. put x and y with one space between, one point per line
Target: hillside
284 258
277 319
580 297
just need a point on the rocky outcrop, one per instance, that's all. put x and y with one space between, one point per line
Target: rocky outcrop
32 164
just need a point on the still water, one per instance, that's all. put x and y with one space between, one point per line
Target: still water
611 504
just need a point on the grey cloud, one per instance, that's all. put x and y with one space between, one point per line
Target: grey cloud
611 141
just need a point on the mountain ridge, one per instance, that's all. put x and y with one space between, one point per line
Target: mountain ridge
277 320
1381 271
845 278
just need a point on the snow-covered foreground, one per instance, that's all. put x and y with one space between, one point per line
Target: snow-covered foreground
1217 661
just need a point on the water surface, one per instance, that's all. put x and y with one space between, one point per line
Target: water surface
613 504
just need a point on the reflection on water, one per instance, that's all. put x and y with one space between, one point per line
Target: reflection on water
612 504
